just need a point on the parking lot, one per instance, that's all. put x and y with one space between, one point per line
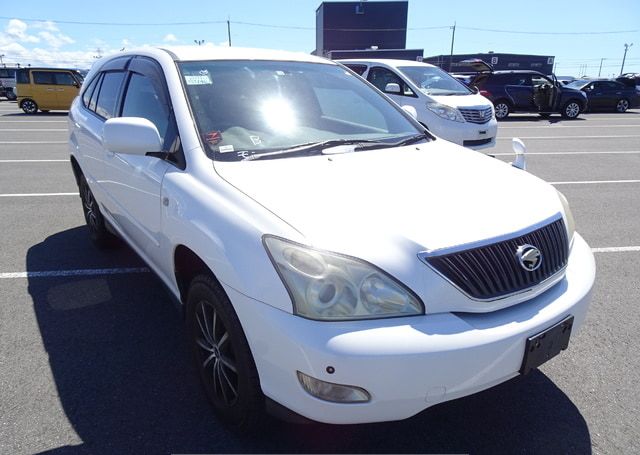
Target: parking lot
93 356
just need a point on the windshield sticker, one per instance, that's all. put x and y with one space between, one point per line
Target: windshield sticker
256 140
225 148
213 137
202 78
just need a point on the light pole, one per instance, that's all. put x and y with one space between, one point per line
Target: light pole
199 42
626 48
600 70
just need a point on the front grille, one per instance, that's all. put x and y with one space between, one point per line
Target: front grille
493 271
481 115
476 142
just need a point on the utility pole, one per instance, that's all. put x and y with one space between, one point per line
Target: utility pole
626 48
229 31
600 70
1 61
453 38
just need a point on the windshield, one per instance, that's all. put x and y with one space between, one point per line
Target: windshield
433 81
247 108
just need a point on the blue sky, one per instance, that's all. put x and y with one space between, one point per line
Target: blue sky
60 43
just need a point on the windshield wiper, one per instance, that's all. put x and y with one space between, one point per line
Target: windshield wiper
311 148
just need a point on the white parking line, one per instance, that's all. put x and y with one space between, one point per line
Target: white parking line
590 182
33 121
37 194
616 249
34 161
13 130
571 137
630 152
78 272
33 142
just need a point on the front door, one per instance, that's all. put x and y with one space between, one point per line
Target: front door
66 89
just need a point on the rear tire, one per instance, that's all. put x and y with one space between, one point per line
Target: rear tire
98 232
622 105
502 109
29 106
222 355
571 110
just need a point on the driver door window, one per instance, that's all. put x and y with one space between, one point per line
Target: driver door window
380 77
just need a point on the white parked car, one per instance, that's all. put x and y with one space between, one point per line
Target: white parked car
446 106
333 258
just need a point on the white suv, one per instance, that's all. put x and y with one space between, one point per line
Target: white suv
332 257
447 107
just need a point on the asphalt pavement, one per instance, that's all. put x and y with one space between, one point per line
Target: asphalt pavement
98 363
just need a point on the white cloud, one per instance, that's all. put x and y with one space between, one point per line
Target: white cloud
49 26
170 38
56 40
17 30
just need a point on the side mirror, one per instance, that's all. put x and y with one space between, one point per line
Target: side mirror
519 149
410 110
392 87
131 135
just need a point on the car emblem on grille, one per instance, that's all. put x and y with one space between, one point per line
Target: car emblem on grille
529 257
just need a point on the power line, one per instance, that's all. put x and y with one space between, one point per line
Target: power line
113 23
522 32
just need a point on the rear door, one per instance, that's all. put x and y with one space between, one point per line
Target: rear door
519 89
599 96
44 88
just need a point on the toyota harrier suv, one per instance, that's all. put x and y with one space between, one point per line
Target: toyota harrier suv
526 91
333 259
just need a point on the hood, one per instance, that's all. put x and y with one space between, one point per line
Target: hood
470 100
424 197
386 206
573 91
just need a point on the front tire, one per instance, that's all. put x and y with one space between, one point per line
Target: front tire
502 109
222 355
571 110
98 232
622 105
29 106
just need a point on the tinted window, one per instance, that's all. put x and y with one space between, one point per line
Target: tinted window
86 95
94 95
43 77
108 96
22 77
6 73
515 79
143 99
380 77
359 69
64 79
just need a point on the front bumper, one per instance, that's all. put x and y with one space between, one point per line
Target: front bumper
406 364
464 133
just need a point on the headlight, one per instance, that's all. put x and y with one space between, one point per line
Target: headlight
571 224
330 286
444 111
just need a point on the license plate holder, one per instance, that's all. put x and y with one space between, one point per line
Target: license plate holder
547 344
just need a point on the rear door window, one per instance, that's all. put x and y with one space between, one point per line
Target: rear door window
44 77
109 93
86 95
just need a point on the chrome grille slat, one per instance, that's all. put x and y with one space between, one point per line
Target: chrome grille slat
476 115
492 271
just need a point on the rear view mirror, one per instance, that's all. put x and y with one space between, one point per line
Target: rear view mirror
131 135
392 87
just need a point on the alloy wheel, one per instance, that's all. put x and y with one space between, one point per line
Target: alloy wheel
30 107
502 110
622 105
216 354
90 208
572 110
